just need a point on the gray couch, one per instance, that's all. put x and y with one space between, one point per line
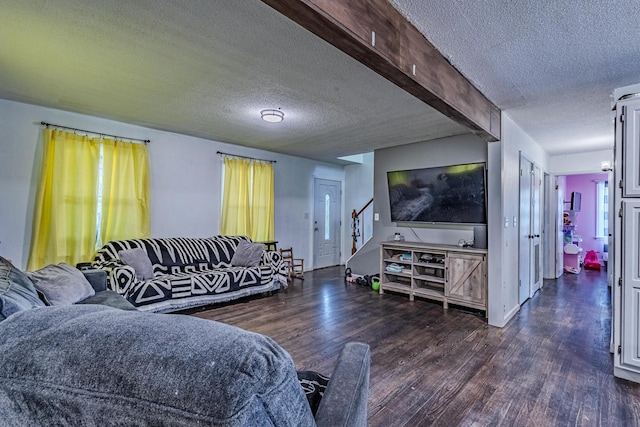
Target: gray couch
93 365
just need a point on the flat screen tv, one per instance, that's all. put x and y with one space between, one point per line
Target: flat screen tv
443 194
576 201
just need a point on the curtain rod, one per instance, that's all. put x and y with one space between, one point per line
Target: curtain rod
245 157
146 141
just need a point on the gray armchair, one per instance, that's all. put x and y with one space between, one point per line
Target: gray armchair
345 400
97 365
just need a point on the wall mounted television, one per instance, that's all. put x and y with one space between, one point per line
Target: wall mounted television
453 194
576 201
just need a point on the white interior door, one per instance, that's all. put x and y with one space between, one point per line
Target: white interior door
536 231
631 283
524 270
552 228
530 277
326 223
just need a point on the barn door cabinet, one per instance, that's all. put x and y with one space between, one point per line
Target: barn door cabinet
466 283
450 274
626 225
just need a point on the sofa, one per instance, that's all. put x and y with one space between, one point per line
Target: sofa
55 284
96 365
170 274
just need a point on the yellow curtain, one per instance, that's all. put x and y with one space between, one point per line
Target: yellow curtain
262 203
125 209
65 209
91 190
236 214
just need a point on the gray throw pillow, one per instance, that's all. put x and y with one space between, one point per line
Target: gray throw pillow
139 260
17 292
61 284
247 254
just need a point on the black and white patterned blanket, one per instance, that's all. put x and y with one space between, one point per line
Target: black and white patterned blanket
314 386
188 272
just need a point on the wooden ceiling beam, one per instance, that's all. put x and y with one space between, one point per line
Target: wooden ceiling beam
374 33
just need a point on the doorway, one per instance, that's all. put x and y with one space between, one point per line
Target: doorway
585 201
530 277
326 223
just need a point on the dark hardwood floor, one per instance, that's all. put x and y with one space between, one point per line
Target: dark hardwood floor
550 366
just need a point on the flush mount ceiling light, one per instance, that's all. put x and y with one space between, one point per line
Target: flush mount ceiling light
272 116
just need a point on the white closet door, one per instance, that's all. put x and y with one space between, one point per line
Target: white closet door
631 144
631 283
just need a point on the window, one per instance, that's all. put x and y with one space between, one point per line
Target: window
92 190
327 217
248 199
602 206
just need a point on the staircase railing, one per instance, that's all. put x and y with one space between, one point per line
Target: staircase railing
358 227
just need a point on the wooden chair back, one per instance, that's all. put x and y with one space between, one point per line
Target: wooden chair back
295 266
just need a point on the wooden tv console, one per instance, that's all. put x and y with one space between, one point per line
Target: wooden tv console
451 274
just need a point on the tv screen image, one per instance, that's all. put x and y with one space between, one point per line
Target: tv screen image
443 194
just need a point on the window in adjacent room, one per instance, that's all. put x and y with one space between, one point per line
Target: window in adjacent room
602 206
92 190
248 199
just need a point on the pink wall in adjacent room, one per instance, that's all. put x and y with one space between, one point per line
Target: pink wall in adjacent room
586 218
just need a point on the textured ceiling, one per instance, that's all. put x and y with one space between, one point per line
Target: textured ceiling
206 68
550 64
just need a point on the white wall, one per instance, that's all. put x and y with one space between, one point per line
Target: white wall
579 163
495 235
504 250
358 191
186 177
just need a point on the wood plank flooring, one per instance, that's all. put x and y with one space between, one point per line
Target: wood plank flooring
550 366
